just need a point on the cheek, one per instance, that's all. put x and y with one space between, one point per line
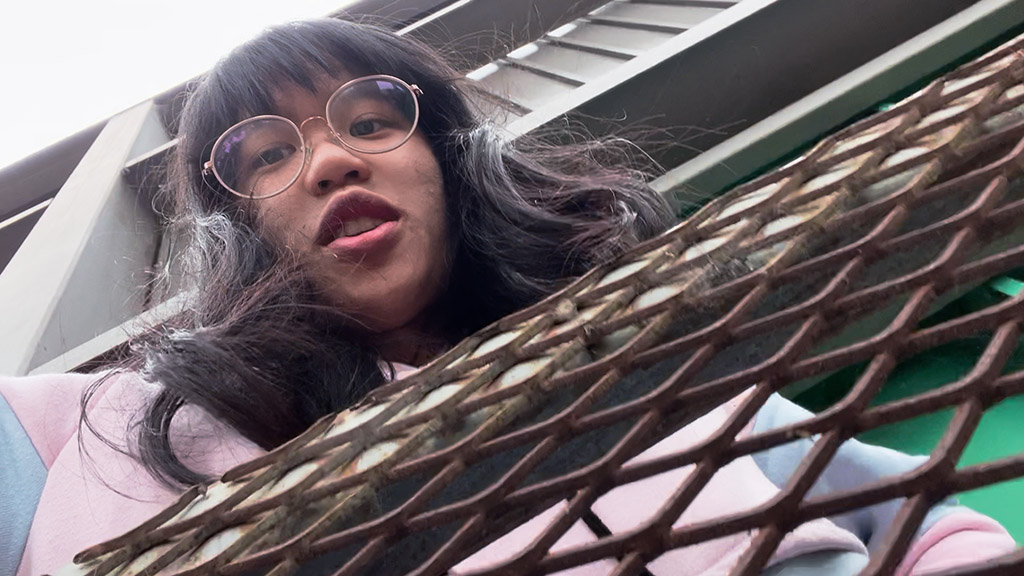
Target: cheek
432 190
276 222
417 183
435 250
438 217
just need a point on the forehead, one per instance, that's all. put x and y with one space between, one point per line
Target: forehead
298 102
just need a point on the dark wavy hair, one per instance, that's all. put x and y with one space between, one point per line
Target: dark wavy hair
257 347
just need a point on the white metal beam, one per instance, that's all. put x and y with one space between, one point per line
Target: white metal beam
78 271
834 104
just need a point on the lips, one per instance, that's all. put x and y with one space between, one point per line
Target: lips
352 215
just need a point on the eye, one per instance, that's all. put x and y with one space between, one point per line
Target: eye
365 127
271 155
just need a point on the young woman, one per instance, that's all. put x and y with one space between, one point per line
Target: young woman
347 216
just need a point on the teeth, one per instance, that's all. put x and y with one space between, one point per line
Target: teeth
357 226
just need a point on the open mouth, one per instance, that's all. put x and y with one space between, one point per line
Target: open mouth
354 214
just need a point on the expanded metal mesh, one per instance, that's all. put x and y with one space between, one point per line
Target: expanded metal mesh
830 262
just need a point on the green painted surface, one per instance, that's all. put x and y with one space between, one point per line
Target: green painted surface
1000 433
1006 285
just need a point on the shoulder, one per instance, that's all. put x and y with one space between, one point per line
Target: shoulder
47 407
50 407
39 420
96 487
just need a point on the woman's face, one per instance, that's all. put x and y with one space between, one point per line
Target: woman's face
371 226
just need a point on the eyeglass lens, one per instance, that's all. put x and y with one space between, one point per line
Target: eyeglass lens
264 155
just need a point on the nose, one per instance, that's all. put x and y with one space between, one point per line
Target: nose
330 164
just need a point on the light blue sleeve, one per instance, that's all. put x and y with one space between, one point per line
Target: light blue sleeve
22 475
855 464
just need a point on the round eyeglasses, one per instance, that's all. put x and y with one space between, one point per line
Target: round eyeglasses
264 155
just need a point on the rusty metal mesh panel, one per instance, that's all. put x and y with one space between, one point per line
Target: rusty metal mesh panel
829 262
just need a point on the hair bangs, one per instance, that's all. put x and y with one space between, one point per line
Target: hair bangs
298 54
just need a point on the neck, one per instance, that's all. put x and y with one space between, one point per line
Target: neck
409 346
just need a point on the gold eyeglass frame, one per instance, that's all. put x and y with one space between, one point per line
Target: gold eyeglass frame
209 167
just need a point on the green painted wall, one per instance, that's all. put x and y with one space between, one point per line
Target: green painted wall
1000 433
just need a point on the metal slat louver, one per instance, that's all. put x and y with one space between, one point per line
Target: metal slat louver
586 48
653 16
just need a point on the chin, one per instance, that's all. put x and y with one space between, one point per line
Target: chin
375 320
388 303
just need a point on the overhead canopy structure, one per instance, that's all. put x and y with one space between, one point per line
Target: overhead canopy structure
81 241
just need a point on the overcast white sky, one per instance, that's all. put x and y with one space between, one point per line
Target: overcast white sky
67 64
